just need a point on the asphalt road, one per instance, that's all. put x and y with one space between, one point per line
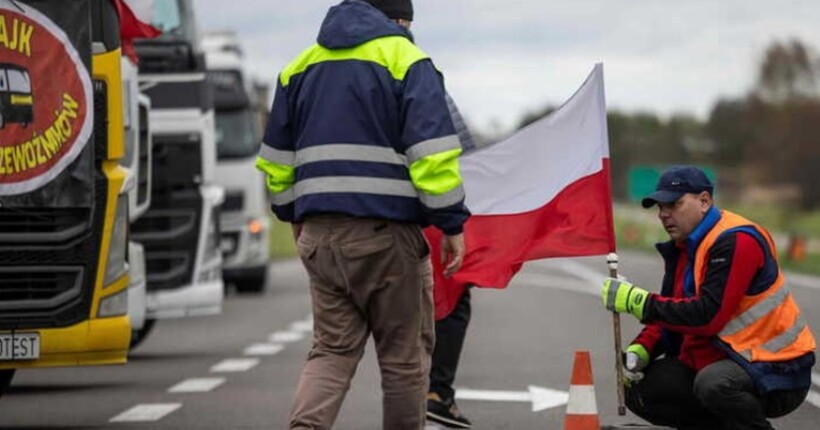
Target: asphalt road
238 370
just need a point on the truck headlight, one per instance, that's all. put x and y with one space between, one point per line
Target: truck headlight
118 248
114 305
212 237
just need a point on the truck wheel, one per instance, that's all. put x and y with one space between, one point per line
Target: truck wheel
252 283
5 379
138 336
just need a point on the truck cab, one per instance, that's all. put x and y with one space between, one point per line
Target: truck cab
180 230
137 162
63 213
244 221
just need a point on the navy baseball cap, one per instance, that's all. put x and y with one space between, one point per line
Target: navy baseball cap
677 181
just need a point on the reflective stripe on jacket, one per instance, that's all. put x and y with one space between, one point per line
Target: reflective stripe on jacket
360 126
767 328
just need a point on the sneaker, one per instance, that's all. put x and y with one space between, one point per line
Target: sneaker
445 413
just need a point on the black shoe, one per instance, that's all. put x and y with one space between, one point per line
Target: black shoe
445 413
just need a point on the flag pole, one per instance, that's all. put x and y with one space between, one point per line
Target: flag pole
612 263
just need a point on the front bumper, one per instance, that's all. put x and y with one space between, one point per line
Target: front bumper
92 342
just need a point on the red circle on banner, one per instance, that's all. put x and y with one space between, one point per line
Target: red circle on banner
45 95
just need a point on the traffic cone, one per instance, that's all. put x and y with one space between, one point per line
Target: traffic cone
582 412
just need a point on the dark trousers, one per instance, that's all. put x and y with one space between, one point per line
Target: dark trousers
720 396
450 334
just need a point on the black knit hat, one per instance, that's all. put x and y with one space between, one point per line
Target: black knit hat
394 9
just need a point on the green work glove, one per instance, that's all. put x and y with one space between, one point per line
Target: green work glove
621 296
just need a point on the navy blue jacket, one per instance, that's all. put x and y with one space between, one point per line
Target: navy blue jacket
360 126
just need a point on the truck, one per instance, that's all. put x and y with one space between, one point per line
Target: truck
137 162
63 213
244 222
180 230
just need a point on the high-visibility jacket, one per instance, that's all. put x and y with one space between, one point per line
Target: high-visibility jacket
360 126
767 330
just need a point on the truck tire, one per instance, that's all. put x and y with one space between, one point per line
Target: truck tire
138 336
254 282
5 379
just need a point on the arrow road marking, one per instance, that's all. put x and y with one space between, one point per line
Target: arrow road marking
541 398
147 412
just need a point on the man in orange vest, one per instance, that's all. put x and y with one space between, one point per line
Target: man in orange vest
724 344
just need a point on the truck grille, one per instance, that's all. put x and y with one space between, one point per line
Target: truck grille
48 280
230 244
234 201
169 230
38 287
41 225
49 256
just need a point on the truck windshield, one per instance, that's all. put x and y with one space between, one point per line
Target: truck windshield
166 16
237 134
176 20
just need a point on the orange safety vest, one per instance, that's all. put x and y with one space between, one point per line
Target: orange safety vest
767 326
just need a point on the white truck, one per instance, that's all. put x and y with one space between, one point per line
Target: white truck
180 230
244 221
137 162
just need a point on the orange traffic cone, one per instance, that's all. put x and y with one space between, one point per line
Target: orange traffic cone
582 412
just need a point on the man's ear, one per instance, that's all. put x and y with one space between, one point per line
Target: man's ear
705 199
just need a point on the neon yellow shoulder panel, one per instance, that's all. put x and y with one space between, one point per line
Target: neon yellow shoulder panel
395 53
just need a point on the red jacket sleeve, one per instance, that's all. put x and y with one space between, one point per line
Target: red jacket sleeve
649 337
732 264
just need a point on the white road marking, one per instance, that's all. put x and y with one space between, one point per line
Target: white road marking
573 267
264 349
805 281
813 398
235 365
197 385
540 397
556 282
146 412
286 336
304 326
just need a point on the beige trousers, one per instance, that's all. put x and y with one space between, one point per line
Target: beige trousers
366 276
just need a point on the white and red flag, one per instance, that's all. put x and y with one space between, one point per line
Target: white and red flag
543 192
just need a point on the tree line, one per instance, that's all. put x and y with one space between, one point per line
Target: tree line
767 138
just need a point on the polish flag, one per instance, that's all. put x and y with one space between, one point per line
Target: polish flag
543 192
135 18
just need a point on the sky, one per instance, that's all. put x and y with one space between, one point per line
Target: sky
504 58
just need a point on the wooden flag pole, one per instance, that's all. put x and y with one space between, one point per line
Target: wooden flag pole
612 263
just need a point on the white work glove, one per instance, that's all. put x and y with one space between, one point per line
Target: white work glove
635 359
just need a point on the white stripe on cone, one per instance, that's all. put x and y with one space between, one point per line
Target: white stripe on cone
582 400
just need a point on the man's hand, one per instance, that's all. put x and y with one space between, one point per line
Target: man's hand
621 296
452 253
637 358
